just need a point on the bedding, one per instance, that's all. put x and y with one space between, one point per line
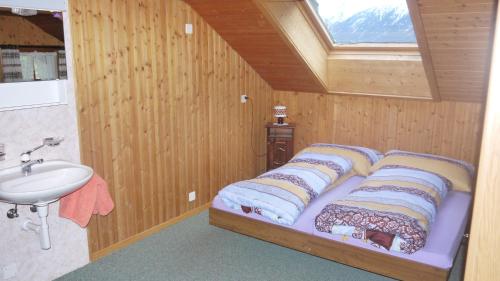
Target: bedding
340 181
440 248
394 208
362 157
282 194
459 173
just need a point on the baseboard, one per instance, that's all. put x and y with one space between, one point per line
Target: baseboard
124 243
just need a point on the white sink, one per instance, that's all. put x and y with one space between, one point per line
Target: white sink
47 182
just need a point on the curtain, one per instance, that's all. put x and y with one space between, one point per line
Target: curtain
28 66
46 66
61 60
11 65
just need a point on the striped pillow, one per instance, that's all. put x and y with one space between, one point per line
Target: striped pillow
362 158
459 173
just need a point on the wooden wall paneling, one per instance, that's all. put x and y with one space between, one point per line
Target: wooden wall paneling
446 128
121 149
484 244
458 40
154 23
136 69
116 66
362 73
159 112
97 111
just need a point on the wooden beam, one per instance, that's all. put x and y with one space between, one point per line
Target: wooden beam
424 48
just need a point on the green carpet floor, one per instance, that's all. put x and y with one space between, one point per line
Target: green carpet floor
195 250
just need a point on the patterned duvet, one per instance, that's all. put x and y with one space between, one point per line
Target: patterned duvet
282 194
394 208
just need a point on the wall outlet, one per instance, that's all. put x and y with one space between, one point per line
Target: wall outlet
192 196
9 271
243 98
189 28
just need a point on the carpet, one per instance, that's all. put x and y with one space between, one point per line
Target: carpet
195 250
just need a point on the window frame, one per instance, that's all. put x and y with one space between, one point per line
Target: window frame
327 40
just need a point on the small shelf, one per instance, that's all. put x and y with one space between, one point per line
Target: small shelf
279 144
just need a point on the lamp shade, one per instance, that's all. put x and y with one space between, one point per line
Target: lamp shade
280 114
280 111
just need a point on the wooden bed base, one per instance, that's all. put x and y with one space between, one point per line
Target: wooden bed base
379 263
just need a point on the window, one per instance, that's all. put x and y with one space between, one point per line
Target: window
363 21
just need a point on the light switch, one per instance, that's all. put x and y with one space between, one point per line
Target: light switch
189 28
192 196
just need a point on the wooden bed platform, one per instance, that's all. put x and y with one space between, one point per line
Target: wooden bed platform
375 262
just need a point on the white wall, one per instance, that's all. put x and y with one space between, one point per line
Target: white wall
32 94
23 129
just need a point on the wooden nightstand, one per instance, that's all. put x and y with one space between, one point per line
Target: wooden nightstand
279 144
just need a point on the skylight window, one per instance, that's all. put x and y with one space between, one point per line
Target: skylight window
366 21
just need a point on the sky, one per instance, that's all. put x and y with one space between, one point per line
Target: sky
342 9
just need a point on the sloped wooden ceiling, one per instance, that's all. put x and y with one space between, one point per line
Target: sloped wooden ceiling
252 34
454 39
458 35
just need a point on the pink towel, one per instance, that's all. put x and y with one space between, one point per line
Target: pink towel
92 198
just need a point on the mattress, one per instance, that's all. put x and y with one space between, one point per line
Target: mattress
442 243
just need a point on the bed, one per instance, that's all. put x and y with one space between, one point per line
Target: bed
432 262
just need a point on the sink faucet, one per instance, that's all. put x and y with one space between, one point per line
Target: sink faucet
26 166
27 163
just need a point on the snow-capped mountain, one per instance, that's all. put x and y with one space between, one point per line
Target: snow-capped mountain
387 24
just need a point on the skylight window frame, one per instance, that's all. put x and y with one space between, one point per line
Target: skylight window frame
330 44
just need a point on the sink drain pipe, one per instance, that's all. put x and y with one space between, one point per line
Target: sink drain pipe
41 229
